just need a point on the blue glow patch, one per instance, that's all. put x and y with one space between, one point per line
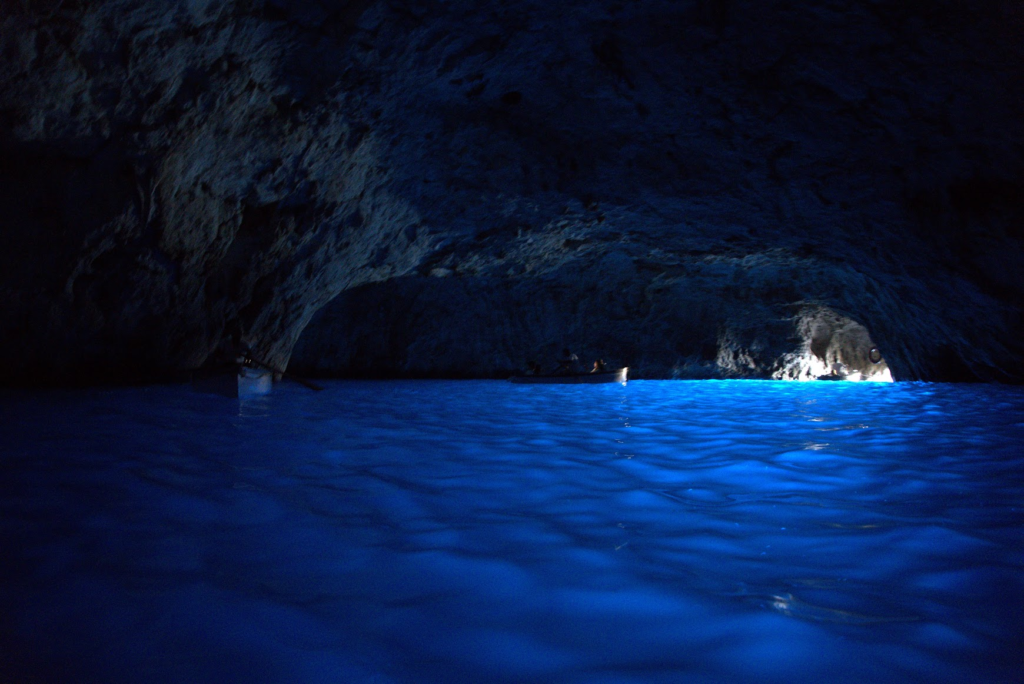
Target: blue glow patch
429 532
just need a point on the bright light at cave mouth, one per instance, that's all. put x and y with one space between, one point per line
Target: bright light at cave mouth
807 367
834 347
482 531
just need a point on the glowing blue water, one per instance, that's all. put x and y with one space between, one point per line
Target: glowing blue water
486 532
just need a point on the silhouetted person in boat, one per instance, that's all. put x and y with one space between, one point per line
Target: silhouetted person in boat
232 352
598 366
570 363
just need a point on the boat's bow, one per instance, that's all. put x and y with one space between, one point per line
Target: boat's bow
618 375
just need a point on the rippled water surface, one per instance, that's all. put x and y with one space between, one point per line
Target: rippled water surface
487 532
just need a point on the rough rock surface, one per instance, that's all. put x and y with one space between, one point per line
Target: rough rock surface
712 188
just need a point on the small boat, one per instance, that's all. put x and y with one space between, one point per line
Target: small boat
833 377
240 382
848 377
618 375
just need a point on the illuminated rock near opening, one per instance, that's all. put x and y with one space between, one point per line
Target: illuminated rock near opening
667 183
833 344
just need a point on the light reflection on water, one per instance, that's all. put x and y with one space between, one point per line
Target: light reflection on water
487 532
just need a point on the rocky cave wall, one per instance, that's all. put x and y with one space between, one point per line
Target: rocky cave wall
177 172
431 188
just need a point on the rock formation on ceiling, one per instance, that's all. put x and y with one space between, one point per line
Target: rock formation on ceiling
703 188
